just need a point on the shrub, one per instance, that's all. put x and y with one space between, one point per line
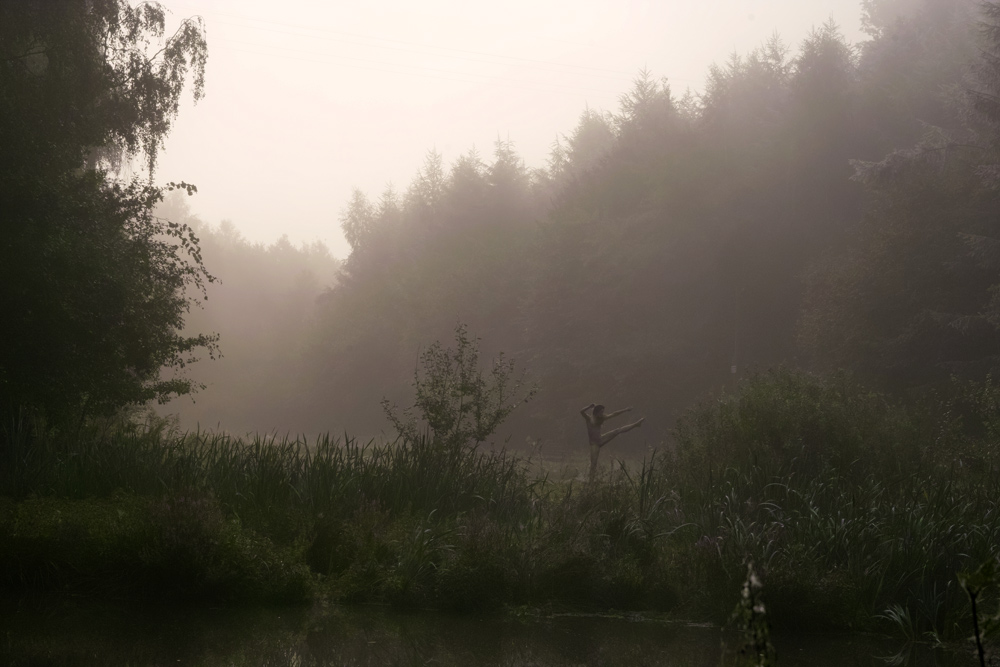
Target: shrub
459 403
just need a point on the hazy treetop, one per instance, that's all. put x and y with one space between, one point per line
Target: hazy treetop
321 97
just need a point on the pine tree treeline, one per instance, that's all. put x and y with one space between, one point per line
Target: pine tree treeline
824 206
261 305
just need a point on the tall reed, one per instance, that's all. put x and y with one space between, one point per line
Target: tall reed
855 509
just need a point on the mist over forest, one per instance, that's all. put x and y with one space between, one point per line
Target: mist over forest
789 278
262 305
819 205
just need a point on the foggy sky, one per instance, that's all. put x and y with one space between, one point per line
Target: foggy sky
305 100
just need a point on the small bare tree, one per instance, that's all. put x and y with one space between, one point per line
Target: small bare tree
595 417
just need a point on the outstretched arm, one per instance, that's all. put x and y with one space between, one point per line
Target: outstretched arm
618 412
611 435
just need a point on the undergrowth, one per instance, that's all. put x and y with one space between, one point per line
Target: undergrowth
855 510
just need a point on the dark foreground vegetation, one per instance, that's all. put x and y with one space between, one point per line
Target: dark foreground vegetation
844 534
835 210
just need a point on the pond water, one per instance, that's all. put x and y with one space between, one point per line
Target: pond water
68 633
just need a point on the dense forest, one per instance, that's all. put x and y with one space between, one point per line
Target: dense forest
261 305
790 275
822 206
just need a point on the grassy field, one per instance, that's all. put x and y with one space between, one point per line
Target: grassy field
856 511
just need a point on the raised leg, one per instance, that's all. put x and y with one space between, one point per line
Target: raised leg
611 435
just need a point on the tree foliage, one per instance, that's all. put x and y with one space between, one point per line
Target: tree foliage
96 287
911 301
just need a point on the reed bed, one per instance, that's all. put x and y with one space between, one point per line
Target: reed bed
856 512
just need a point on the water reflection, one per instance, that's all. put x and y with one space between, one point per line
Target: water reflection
65 633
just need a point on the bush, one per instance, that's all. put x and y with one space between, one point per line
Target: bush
840 498
836 494
178 548
460 404
789 422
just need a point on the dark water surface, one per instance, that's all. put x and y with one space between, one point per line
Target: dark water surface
67 633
